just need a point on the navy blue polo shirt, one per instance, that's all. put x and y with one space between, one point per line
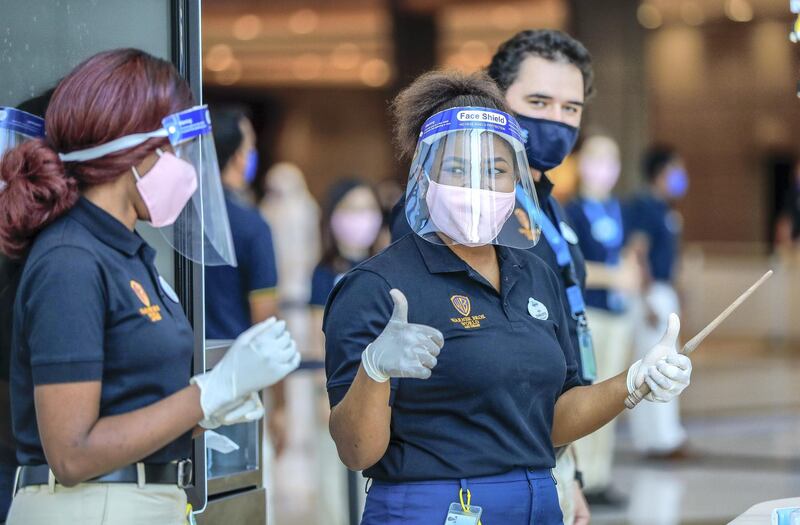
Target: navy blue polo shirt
649 215
507 357
91 307
228 288
399 226
600 241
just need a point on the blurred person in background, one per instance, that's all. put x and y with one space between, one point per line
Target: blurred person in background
610 276
787 226
229 314
294 217
237 298
351 224
653 229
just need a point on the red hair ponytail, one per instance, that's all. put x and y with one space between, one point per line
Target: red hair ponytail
36 192
110 95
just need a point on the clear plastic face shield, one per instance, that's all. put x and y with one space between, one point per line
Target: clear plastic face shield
16 127
201 231
469 182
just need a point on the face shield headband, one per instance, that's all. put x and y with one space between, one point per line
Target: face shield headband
201 231
466 179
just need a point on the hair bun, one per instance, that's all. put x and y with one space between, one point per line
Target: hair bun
36 192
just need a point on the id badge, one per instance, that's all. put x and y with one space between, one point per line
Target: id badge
588 361
786 516
458 516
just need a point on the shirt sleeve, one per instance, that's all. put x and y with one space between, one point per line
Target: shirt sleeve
359 307
321 286
631 218
260 265
64 317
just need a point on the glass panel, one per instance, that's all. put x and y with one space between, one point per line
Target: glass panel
245 459
42 40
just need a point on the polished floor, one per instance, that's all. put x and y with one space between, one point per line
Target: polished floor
742 413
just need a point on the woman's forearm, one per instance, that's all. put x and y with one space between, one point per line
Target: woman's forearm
584 409
115 441
360 422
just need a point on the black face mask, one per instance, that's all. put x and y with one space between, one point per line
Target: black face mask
547 143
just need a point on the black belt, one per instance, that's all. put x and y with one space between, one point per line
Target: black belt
179 473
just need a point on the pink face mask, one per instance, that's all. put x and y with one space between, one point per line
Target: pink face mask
358 229
600 174
472 217
166 188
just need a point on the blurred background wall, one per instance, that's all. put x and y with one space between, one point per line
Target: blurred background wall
715 78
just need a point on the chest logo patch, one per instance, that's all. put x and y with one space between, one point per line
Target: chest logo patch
151 311
537 310
463 306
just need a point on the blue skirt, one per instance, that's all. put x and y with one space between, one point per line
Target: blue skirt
519 497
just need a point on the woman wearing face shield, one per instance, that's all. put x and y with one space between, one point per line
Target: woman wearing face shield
103 404
450 367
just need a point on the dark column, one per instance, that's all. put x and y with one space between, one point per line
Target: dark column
414 33
614 37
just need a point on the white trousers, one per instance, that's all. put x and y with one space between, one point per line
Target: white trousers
564 474
612 335
655 427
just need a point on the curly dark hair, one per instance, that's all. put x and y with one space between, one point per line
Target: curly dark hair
549 44
655 159
437 91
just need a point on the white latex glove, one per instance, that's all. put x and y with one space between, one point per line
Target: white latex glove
402 349
219 443
243 410
260 357
666 372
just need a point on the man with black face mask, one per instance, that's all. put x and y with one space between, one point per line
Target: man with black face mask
547 77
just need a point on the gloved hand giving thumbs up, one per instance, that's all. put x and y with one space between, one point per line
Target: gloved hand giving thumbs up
666 372
402 349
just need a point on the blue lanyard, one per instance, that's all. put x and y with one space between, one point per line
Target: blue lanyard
609 212
561 249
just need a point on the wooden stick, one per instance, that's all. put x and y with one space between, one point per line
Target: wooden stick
636 397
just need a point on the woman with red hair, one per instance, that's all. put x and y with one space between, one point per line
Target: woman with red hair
103 404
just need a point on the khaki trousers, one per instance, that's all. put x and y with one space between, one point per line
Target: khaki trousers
612 335
99 504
